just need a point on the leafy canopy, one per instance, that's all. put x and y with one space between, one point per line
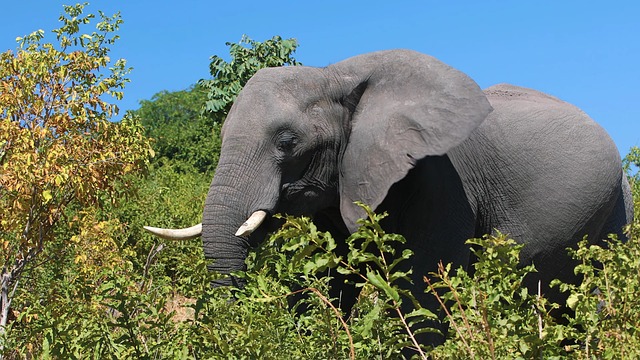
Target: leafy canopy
183 137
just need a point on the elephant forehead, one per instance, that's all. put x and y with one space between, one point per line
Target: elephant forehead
257 110
289 81
262 101
278 92
285 74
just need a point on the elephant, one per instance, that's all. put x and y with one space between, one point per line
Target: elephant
409 135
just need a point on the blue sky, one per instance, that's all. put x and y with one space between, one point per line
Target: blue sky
584 52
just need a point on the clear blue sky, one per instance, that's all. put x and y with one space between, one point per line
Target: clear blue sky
584 52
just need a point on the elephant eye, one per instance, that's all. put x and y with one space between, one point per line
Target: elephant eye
286 142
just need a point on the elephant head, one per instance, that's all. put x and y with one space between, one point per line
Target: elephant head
300 140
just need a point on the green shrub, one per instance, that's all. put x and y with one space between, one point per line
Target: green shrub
260 324
490 314
300 257
606 324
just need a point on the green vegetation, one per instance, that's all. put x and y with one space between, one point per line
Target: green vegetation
81 280
184 138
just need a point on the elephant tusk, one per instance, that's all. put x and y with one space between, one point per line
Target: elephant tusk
176 234
252 223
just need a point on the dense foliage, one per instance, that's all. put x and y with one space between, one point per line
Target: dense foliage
183 137
101 288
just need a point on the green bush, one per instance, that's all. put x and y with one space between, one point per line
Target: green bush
491 315
606 324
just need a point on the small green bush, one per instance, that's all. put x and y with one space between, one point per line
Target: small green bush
490 314
606 324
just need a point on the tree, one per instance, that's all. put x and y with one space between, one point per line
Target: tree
230 77
183 136
57 146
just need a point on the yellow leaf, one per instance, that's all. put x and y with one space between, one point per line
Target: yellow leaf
47 195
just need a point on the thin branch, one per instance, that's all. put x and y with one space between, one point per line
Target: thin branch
449 316
487 330
609 303
536 308
13 291
458 302
538 312
155 250
396 306
352 351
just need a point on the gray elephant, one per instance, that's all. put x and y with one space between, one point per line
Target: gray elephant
406 134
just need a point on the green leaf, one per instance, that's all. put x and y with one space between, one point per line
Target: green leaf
379 282
422 312
572 301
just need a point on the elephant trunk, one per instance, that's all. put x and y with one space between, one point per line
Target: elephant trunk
235 207
226 251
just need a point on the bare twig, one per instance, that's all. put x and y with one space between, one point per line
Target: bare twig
155 250
487 330
457 298
608 302
352 350
538 312
396 306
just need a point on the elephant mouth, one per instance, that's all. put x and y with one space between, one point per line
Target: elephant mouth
298 189
305 198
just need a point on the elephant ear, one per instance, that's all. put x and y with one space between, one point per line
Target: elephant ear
405 106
